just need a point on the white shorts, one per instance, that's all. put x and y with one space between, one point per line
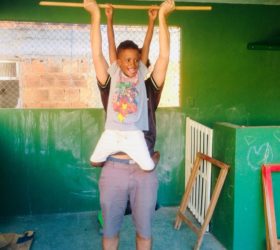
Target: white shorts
130 142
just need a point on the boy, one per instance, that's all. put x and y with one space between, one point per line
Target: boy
127 107
119 178
152 14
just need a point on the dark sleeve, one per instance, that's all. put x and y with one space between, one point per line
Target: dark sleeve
104 92
153 96
153 92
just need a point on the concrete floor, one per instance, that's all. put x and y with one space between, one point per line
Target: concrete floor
80 231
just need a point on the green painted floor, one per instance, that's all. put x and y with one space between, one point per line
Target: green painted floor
80 231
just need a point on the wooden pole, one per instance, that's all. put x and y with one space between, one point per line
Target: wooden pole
124 7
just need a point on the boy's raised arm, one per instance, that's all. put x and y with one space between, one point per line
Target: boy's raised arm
161 64
99 61
110 33
149 35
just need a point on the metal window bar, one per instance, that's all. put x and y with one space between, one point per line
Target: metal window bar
198 139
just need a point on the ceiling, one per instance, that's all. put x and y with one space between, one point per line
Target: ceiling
266 2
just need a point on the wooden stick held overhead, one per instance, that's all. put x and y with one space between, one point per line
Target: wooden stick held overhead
124 7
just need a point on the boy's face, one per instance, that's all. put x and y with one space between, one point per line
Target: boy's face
128 61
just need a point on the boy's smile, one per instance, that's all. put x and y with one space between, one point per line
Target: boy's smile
128 61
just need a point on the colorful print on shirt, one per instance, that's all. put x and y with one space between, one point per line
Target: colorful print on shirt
125 97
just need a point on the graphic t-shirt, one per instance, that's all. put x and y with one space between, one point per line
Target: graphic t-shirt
127 107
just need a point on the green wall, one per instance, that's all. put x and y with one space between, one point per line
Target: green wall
224 149
45 160
240 208
222 80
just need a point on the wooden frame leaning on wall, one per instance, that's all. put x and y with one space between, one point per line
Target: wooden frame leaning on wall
272 243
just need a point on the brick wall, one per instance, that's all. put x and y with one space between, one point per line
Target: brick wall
58 83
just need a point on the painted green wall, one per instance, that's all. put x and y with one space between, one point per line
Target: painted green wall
240 208
222 80
224 144
45 160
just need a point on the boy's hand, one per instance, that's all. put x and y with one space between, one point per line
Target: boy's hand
167 7
152 14
91 6
109 11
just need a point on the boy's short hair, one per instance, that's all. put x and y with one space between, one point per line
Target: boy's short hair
127 44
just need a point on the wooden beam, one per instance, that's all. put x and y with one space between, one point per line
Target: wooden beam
124 7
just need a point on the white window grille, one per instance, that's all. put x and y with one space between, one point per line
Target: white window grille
9 84
199 138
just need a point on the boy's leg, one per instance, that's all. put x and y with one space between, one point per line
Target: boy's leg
106 145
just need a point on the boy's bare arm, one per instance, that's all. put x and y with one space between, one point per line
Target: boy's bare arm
110 33
149 35
161 64
99 61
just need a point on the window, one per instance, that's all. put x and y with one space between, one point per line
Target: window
9 84
56 69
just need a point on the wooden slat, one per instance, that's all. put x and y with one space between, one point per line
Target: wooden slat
124 7
270 220
213 201
189 222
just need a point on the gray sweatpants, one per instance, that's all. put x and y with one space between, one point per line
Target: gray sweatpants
118 183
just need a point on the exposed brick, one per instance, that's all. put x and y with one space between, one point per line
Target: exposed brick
78 105
73 67
72 95
56 83
63 77
67 66
29 105
70 66
57 94
38 66
91 81
54 66
47 80
26 67
78 77
28 96
84 95
80 83
84 66
63 84
53 105
41 95
31 81
43 105
61 105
